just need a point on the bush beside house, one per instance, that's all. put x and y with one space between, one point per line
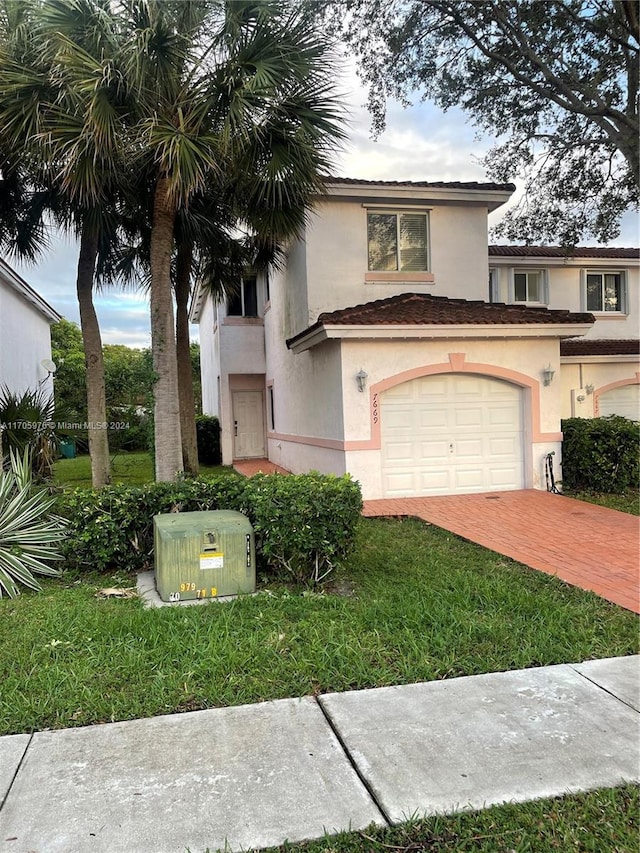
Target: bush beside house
305 524
600 454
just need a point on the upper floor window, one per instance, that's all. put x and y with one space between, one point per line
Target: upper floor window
397 241
244 302
605 291
530 286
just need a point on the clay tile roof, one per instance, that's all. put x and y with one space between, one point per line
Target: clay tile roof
560 252
580 346
447 185
420 308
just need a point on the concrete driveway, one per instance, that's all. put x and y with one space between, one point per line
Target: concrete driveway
583 544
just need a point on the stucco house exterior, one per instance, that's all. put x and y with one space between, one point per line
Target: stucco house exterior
396 347
25 334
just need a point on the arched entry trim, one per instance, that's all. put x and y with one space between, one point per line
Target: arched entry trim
457 364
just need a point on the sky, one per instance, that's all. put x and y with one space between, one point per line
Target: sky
420 143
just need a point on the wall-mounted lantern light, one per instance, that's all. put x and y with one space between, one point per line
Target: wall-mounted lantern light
547 375
361 379
588 389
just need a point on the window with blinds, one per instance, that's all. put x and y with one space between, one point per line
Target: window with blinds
397 242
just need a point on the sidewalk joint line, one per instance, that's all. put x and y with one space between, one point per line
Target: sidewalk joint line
353 763
18 768
595 683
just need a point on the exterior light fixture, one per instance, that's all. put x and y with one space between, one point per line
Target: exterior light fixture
547 375
589 389
361 379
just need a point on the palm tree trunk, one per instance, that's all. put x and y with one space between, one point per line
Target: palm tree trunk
96 403
168 445
185 375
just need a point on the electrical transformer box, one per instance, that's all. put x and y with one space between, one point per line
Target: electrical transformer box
203 555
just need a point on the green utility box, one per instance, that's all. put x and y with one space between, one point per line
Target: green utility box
203 555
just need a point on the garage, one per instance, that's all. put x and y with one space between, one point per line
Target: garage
624 400
451 433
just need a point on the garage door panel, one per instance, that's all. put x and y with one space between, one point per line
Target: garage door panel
435 451
624 401
468 448
461 433
397 451
503 446
432 417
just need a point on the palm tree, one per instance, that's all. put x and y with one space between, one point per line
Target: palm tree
65 147
189 92
240 90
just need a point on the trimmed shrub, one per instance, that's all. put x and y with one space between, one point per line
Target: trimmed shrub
208 437
304 524
600 454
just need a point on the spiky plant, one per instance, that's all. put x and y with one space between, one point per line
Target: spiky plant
29 532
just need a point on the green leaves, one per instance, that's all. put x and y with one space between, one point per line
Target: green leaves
29 532
304 524
600 454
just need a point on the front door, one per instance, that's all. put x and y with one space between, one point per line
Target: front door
248 416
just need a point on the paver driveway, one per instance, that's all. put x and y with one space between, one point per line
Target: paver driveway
585 545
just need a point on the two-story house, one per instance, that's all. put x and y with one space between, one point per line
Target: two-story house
25 334
381 348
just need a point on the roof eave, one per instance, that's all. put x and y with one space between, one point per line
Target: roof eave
396 194
20 286
319 333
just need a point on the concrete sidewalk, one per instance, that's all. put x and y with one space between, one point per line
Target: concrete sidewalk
258 775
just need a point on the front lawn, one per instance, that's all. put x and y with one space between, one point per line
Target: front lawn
629 501
129 469
415 603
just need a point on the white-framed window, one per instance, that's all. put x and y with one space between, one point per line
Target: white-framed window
528 287
398 241
244 302
604 291
494 285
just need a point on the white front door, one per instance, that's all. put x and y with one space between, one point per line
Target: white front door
451 433
248 416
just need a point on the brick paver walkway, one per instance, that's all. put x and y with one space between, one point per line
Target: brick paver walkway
249 467
585 545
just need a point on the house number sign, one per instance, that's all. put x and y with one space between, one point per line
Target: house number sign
374 408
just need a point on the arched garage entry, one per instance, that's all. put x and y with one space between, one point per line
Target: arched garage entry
619 398
452 433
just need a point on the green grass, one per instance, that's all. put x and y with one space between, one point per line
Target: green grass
130 469
426 605
627 502
604 821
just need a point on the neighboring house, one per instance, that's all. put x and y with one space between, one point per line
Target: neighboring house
25 334
377 350
600 372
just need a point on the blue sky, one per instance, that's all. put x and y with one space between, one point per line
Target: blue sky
420 143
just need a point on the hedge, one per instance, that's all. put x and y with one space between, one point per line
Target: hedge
208 438
600 454
303 523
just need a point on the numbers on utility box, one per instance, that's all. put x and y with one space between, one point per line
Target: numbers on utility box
203 592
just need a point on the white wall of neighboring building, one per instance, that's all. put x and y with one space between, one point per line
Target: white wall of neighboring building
209 357
25 338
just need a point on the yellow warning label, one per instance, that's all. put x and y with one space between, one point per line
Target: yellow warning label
212 560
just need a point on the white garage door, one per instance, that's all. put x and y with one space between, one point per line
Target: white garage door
623 401
451 433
